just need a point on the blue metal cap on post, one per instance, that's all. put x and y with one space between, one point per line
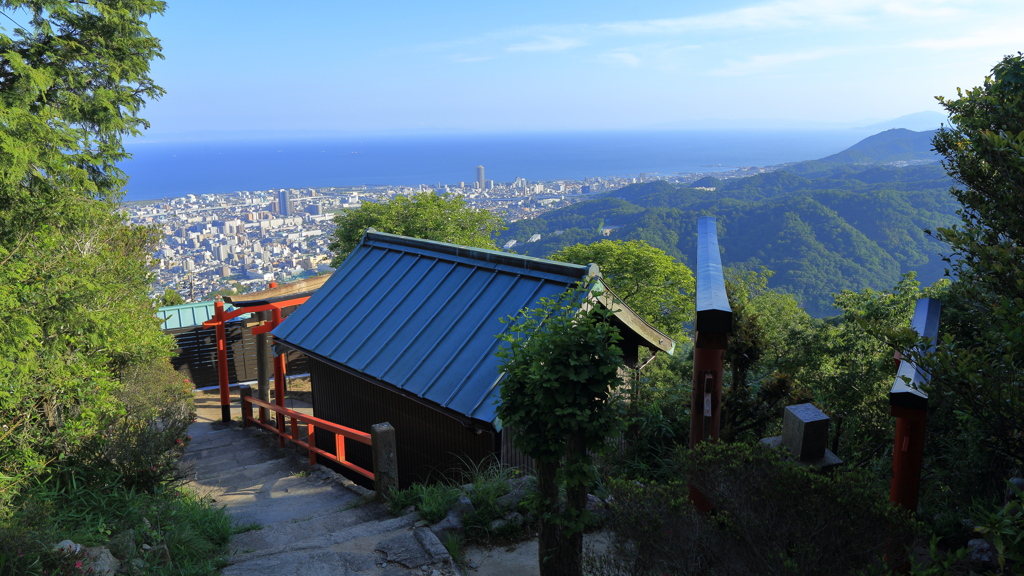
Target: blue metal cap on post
714 314
906 389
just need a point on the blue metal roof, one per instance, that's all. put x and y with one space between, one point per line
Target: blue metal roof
422 316
187 315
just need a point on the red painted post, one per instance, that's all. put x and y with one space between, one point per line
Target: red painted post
279 376
311 440
706 401
222 361
907 457
908 402
711 332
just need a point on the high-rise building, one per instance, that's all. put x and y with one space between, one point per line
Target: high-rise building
284 206
480 177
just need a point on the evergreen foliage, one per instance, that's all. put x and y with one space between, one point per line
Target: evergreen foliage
652 283
978 366
561 366
74 311
445 218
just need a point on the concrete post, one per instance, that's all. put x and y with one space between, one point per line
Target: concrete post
385 459
245 391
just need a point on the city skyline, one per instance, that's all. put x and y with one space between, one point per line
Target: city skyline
236 69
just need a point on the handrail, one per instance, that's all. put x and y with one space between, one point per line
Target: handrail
312 425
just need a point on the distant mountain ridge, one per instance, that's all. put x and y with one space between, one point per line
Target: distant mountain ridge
897 145
852 220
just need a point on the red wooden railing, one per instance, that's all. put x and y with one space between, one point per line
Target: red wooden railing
341 433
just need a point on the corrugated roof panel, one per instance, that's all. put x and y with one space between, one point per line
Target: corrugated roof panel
188 315
423 316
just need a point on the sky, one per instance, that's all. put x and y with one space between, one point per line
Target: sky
341 67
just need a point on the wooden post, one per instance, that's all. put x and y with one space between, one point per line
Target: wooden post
222 361
264 363
385 460
909 404
279 376
712 327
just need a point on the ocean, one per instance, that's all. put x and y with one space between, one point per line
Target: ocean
170 169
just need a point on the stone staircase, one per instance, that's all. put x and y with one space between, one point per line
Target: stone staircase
302 521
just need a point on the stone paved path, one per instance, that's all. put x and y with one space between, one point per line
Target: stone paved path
302 521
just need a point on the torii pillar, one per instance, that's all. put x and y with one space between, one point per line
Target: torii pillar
711 330
909 404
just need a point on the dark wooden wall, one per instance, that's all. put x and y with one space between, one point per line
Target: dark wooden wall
431 445
196 355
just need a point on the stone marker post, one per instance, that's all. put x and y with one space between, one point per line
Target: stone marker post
805 436
385 459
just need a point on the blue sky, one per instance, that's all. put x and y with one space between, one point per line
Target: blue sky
363 67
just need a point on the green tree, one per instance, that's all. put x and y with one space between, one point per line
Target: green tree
763 353
561 363
652 283
171 298
74 278
445 217
980 362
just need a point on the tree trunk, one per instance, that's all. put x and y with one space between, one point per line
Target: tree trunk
570 555
550 532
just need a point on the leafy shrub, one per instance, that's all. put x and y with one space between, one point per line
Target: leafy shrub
193 533
771 517
432 501
141 448
482 483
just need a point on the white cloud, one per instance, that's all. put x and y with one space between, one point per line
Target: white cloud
623 57
782 14
1008 35
767 62
547 44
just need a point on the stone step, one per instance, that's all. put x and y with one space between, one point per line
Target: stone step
385 546
283 534
310 521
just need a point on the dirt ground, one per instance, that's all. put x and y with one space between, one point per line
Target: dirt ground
297 389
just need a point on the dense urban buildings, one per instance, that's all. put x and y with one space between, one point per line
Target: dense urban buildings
244 240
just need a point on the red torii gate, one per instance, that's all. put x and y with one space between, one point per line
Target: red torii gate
218 320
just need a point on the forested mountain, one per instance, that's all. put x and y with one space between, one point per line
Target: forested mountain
831 227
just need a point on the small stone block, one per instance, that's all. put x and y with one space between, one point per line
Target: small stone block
805 431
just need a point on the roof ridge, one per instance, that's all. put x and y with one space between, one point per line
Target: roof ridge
478 256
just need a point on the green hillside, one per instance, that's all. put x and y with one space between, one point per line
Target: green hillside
891 146
840 227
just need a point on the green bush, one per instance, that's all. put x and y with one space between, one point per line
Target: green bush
142 447
481 483
432 501
771 517
193 533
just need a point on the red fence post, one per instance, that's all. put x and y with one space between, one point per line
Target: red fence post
222 361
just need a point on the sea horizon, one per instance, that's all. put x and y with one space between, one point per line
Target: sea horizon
173 169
